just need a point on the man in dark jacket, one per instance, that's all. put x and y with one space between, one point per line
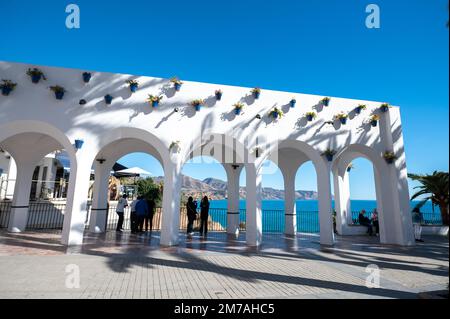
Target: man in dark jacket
204 214
141 212
191 209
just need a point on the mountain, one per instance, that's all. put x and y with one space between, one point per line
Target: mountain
217 189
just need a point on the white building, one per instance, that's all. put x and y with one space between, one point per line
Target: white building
33 123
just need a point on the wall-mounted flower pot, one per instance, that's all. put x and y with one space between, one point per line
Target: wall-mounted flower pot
155 103
309 118
256 95
384 109
59 95
343 120
197 107
326 102
78 144
86 77
374 123
274 115
177 86
358 110
108 99
6 90
237 111
133 87
292 103
35 78
218 95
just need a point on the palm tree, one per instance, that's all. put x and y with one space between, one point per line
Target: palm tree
435 187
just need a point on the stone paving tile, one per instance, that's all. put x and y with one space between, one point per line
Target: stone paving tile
33 265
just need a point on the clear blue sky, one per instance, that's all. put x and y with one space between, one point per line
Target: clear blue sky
317 47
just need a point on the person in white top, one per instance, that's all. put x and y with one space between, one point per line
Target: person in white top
120 209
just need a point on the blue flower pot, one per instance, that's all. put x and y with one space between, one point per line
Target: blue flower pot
384 109
133 88
237 111
155 103
218 96
309 118
326 102
86 77
358 110
6 90
275 115
177 86
108 99
78 144
59 95
292 103
343 120
197 107
35 78
329 157
256 95
374 123
389 160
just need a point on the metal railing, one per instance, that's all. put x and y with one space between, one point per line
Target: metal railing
5 212
429 219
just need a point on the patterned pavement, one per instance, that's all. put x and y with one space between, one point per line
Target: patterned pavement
122 265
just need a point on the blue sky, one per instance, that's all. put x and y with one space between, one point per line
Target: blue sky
317 47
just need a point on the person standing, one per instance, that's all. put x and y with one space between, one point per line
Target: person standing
141 212
417 222
191 209
149 218
375 222
364 221
204 214
120 210
133 216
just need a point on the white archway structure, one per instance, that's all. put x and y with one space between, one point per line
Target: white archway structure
129 124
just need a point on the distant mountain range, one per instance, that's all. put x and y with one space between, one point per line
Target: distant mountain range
217 189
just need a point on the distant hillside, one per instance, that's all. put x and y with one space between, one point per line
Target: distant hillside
217 189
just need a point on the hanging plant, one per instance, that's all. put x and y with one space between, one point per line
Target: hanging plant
276 113
329 153
342 117
154 100
176 83
59 91
86 77
256 92
389 157
175 146
374 120
197 104
325 101
133 84
238 108
384 107
36 75
218 94
292 102
78 144
359 108
7 87
108 99
310 116
350 167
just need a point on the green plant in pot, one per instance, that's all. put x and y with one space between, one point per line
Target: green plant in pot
238 107
256 92
389 157
342 117
133 84
292 102
59 91
7 87
36 75
218 94
310 116
154 100
325 101
329 153
276 113
374 120
197 104
384 107
359 108
176 83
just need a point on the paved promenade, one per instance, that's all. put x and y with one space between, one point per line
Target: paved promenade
121 265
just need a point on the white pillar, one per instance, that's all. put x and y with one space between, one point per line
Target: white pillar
21 198
325 208
253 206
233 174
97 221
342 202
290 213
170 224
77 194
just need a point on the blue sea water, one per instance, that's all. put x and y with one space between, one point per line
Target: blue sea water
307 213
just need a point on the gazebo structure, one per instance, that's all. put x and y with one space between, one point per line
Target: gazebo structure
34 122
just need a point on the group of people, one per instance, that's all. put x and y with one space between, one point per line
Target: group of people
141 215
191 208
370 223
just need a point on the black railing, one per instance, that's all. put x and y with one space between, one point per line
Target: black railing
5 213
308 221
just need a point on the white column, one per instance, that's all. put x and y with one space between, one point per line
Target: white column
325 208
253 206
290 213
21 198
97 221
342 202
233 174
77 194
170 224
